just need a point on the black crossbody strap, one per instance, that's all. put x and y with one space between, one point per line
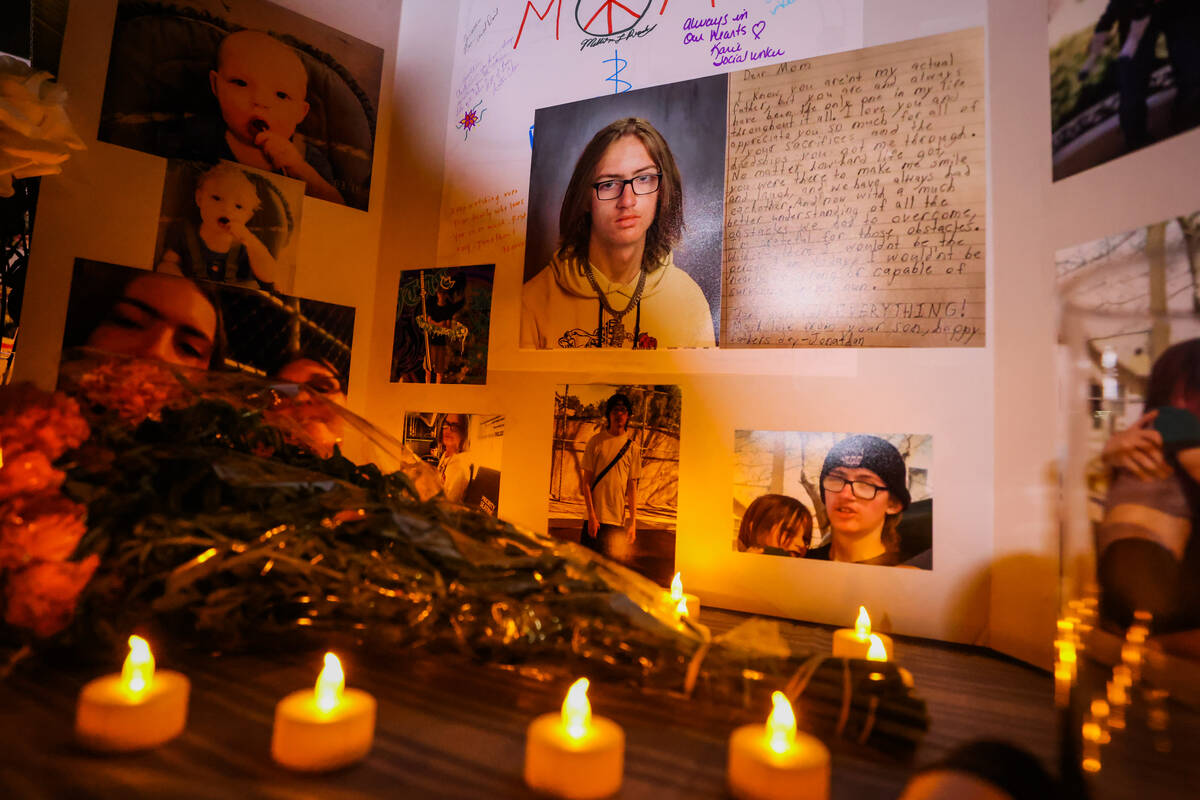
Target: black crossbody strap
611 464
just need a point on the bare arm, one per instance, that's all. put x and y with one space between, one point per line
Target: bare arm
170 263
585 482
262 263
631 502
1138 450
285 155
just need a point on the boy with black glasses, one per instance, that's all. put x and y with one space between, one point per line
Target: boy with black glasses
864 488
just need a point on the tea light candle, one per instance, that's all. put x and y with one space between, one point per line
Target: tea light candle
1091 744
136 710
573 754
856 643
878 652
326 727
1118 698
1131 657
774 762
685 604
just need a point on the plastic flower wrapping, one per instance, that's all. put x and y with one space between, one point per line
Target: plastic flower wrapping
225 512
36 135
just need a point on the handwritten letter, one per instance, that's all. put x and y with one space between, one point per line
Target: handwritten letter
486 226
856 200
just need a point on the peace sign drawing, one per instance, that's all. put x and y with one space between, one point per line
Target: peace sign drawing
608 17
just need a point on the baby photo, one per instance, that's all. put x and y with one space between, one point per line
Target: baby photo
443 320
852 497
614 474
229 224
465 451
255 84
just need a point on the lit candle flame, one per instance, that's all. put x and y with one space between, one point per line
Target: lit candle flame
681 607
330 684
677 588
876 652
781 725
862 625
1066 652
576 710
138 670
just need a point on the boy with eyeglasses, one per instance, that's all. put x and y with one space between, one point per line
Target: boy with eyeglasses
613 281
864 488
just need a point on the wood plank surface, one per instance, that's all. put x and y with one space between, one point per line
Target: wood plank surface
452 728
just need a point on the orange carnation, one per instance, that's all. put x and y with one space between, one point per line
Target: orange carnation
42 596
45 527
31 419
28 473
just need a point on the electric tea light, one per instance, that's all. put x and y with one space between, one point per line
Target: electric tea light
135 710
686 605
573 754
775 761
326 727
856 643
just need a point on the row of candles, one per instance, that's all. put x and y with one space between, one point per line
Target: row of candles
1107 712
568 754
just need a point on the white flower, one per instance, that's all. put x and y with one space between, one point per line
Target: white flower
36 136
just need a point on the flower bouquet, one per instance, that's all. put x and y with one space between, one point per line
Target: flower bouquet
222 511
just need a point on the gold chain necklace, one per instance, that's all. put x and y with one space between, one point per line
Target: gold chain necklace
633 301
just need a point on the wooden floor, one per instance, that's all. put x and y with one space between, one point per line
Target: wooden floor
455 729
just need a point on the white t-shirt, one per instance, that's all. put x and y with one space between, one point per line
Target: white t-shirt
608 498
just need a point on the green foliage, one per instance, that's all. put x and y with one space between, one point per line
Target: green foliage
1068 95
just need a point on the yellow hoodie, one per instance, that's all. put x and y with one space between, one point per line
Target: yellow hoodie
559 308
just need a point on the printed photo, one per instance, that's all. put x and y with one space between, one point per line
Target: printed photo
853 497
614 475
253 83
1124 74
1127 298
623 240
206 325
230 224
443 318
1130 378
465 450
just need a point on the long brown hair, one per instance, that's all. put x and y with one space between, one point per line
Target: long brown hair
574 218
1175 378
769 510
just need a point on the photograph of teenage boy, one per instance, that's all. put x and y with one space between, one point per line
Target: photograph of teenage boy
608 476
834 497
614 473
443 321
197 79
1104 57
442 328
227 224
775 524
623 251
864 489
138 313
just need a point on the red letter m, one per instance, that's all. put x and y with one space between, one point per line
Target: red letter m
540 15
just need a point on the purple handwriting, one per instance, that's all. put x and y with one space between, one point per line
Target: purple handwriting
724 35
